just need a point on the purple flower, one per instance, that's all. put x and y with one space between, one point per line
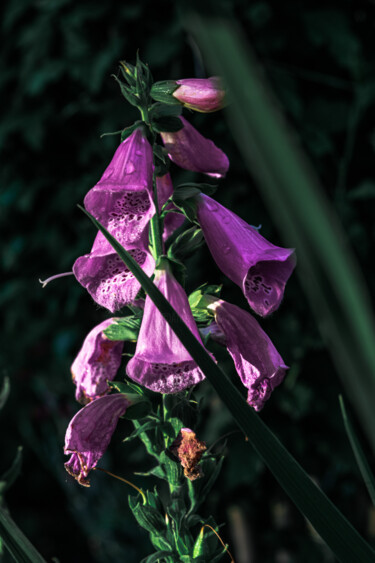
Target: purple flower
249 260
201 94
258 363
97 361
89 433
190 150
105 276
122 199
172 220
161 363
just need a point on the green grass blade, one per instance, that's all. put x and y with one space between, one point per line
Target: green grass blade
16 542
363 465
328 521
327 268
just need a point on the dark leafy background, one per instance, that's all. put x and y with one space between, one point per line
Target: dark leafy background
57 99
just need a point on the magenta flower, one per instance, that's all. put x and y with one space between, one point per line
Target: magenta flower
190 150
200 94
249 260
96 362
122 199
258 363
105 276
89 433
172 220
161 363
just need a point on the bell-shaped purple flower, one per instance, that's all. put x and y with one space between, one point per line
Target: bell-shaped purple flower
89 433
171 220
105 276
258 363
201 94
122 199
161 363
190 150
96 362
260 268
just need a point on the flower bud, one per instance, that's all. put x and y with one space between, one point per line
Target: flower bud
201 94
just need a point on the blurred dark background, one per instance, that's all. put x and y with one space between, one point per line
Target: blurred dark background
57 99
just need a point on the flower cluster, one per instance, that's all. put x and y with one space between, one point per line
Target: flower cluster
130 195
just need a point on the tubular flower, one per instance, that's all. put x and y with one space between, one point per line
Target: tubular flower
105 276
89 433
190 150
161 363
172 220
97 361
200 94
122 199
258 363
248 259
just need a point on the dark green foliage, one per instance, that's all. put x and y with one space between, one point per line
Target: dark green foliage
58 98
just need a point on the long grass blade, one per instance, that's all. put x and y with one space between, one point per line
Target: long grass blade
16 542
328 521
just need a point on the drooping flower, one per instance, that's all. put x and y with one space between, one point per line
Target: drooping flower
122 200
190 150
109 282
89 433
257 362
172 220
161 363
189 450
201 94
96 362
260 268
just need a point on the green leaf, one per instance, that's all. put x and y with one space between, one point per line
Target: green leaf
328 521
4 393
150 425
363 465
163 110
8 477
146 516
327 268
16 542
125 328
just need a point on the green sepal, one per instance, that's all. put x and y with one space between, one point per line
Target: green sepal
4 393
124 328
148 517
208 189
125 133
186 244
10 475
160 153
126 387
128 72
162 92
167 124
178 268
199 546
199 489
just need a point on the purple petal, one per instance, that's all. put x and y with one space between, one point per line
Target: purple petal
107 279
258 363
201 94
260 268
122 199
190 150
161 363
89 433
97 361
